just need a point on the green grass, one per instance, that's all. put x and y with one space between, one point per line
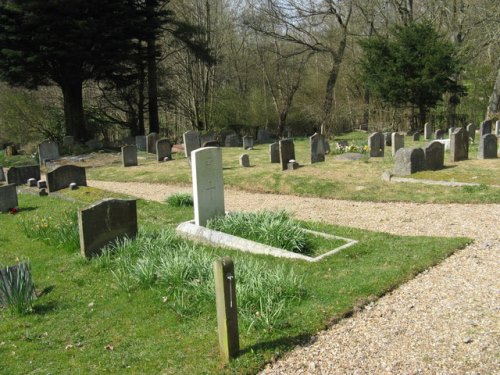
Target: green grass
180 200
17 160
86 320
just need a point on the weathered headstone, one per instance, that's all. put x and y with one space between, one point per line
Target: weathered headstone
140 142
68 140
41 184
408 161
488 147
416 136
94 144
129 156
439 134
317 148
263 135
376 145
471 130
210 144
497 128
163 150
151 139
9 278
232 140
459 145
105 222
48 150
2 174
208 137
31 182
208 184
245 160
427 130
398 141
387 139
247 142
8 197
287 152
21 175
485 128
274 152
434 155
62 176
191 142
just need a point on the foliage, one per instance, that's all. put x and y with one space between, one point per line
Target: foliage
180 200
19 291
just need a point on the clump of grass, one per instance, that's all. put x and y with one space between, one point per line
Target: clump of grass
180 200
17 290
271 228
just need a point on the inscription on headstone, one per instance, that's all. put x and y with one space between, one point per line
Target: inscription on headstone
129 156
163 150
488 147
8 197
287 152
317 148
434 155
459 145
21 175
274 152
398 141
62 176
376 144
191 142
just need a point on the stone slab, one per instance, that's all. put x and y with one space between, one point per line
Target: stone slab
8 197
62 176
129 156
21 175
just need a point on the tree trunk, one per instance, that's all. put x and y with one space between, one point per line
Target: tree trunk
330 86
154 122
494 102
422 116
73 109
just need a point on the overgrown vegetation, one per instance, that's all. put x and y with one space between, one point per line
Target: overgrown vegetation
180 200
17 290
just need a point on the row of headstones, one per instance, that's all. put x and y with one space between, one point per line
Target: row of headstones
484 128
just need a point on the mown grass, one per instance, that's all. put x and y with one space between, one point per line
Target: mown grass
84 320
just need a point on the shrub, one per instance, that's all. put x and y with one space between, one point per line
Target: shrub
180 200
17 291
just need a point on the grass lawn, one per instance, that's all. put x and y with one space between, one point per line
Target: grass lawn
85 321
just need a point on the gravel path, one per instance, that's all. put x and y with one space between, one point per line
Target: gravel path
444 321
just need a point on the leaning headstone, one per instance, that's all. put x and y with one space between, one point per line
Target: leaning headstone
62 176
140 142
398 141
488 147
129 156
9 277
245 160
104 222
151 139
247 142
317 148
376 144
8 197
208 184
68 140
287 152
2 174
274 152
21 175
387 139
191 142
459 145
232 140
427 130
471 130
439 134
416 136
434 156
163 150
485 128
47 151
497 128
408 161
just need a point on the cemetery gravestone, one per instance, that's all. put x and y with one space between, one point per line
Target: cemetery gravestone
263 135
8 197
287 152
48 150
129 156
434 156
398 141
105 222
208 184
416 136
408 161
427 130
21 175
62 176
488 147
209 137
274 152
376 145
68 141
211 144
485 128
497 128
471 130
191 142
245 160
151 139
450 131
439 134
128 141
317 148
2 174
459 145
388 139
163 150
247 142
232 140
94 144
140 142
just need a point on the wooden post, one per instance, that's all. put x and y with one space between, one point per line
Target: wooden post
227 311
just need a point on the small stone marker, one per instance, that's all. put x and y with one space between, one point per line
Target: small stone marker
471 130
20 175
245 160
208 184
434 156
292 165
376 144
105 222
416 136
191 142
247 142
459 145
151 139
2 174
232 140
47 151
398 141
129 156
73 186
488 147
227 309
274 152
140 142
41 184
128 141
163 150
31 182
8 197
485 128
287 152
9 277
439 134
408 161
42 192
317 148
62 176
428 130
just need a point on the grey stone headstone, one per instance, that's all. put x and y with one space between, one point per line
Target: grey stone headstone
317 148
8 277
129 156
232 140
151 139
68 140
191 142
287 152
8 197
434 156
485 128
105 222
209 137
398 141
497 128
20 175
62 176
245 160
41 184
48 150
208 184
94 144
31 182
439 134
140 142
376 144
471 130
416 136
2 174
459 145
163 150
450 131
408 161
263 135
274 152
388 139
247 142
488 147
428 130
